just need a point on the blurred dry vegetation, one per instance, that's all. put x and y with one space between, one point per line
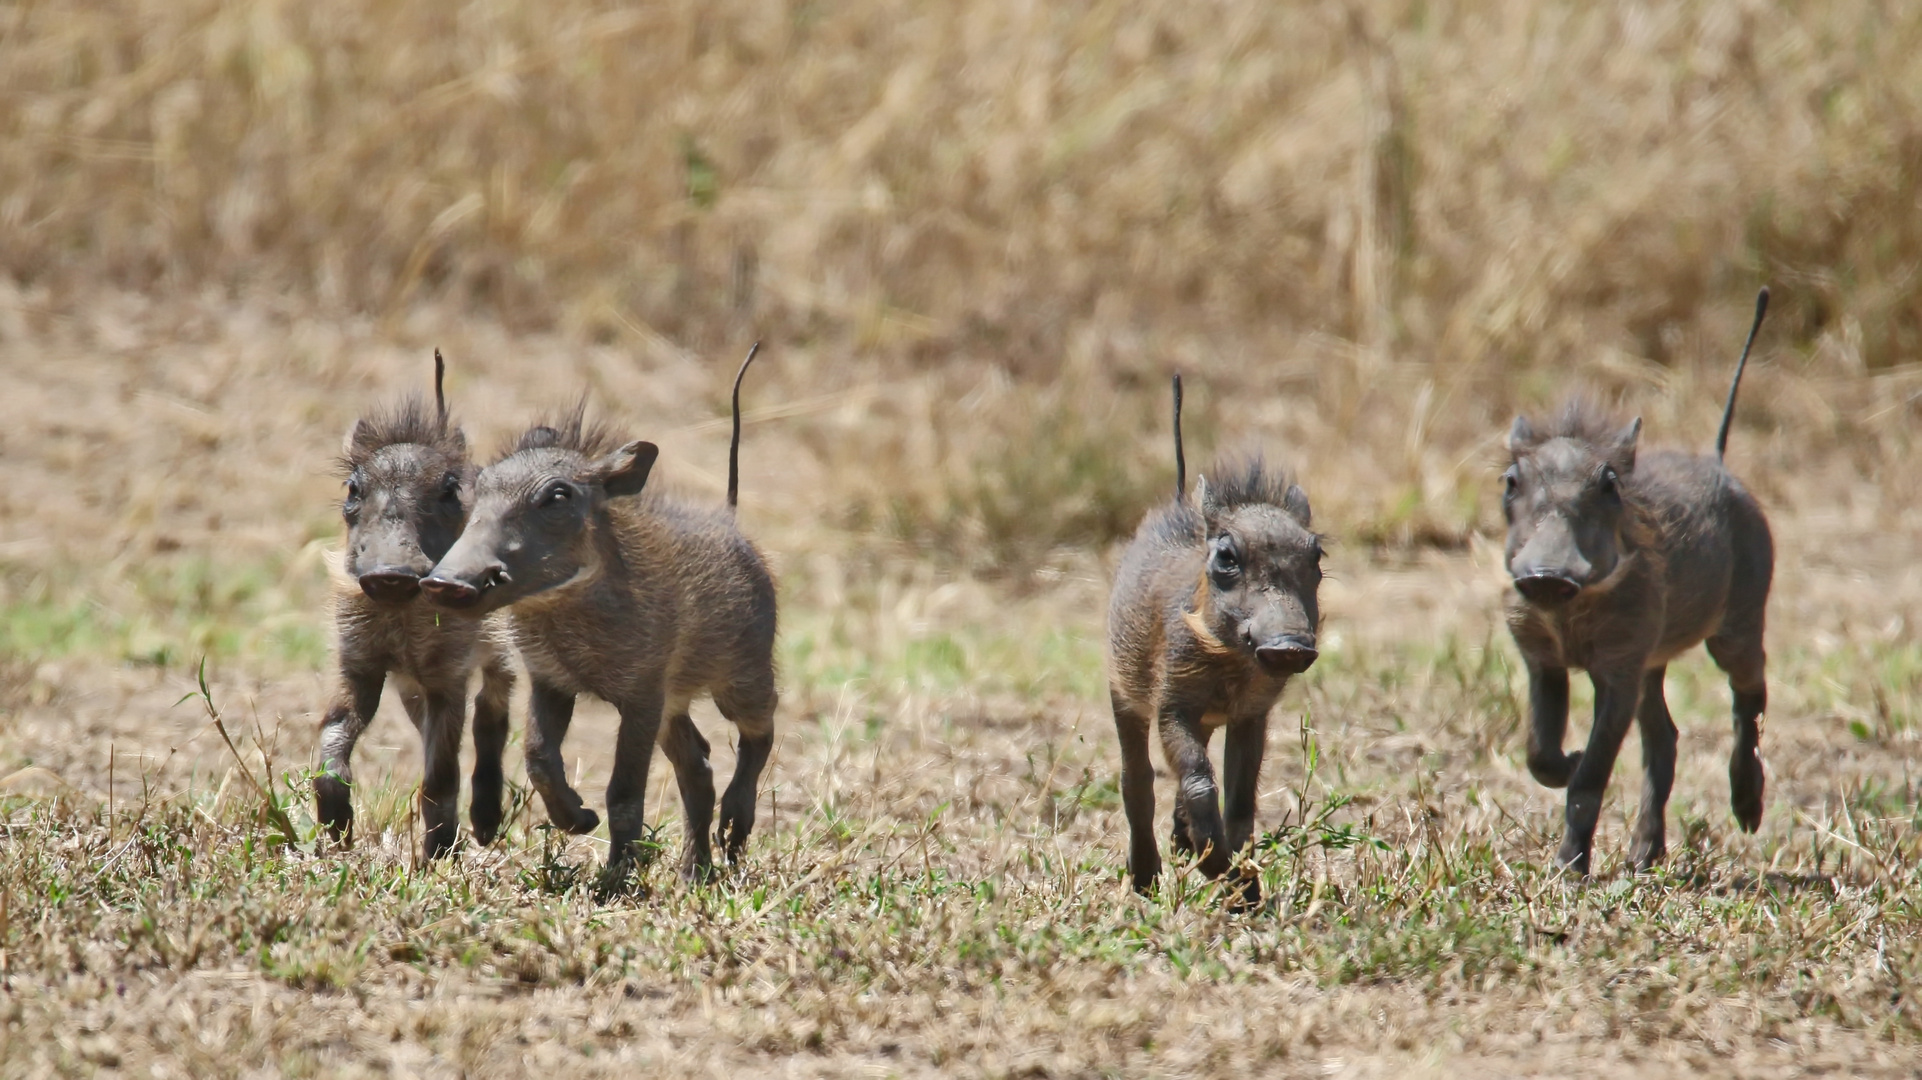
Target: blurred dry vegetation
1381 226
1463 183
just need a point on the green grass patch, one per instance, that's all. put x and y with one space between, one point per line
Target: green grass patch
823 651
170 612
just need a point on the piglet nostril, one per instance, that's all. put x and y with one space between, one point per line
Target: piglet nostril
1547 588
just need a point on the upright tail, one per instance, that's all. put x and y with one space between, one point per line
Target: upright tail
1728 411
440 399
734 444
1181 462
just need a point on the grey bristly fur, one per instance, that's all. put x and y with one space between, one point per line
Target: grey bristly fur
406 468
1214 609
1622 561
640 599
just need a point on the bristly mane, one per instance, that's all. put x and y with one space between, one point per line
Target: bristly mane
571 431
1582 419
1231 483
410 421
1247 482
1175 523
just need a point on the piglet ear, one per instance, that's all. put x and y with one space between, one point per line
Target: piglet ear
1296 503
1204 496
1521 436
1622 456
624 472
360 438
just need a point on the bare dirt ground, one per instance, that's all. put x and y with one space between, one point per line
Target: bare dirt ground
936 887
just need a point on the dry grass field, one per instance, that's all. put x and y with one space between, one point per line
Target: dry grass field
975 239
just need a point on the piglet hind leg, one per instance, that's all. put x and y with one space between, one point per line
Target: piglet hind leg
1658 772
1737 649
442 718
627 789
751 710
687 750
490 744
1743 660
1137 796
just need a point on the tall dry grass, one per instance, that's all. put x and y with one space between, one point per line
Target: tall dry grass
1371 229
1459 183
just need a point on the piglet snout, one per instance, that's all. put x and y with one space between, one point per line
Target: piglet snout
390 584
1286 656
449 593
1547 588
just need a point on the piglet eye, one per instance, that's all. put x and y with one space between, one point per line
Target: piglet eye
1510 484
1223 560
1611 482
555 495
450 487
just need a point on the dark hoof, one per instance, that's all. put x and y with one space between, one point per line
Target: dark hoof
1554 771
1647 855
697 867
1179 837
334 806
485 820
1745 786
731 837
1215 864
441 845
484 806
486 832
585 821
613 880
1572 860
1143 873
1244 896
